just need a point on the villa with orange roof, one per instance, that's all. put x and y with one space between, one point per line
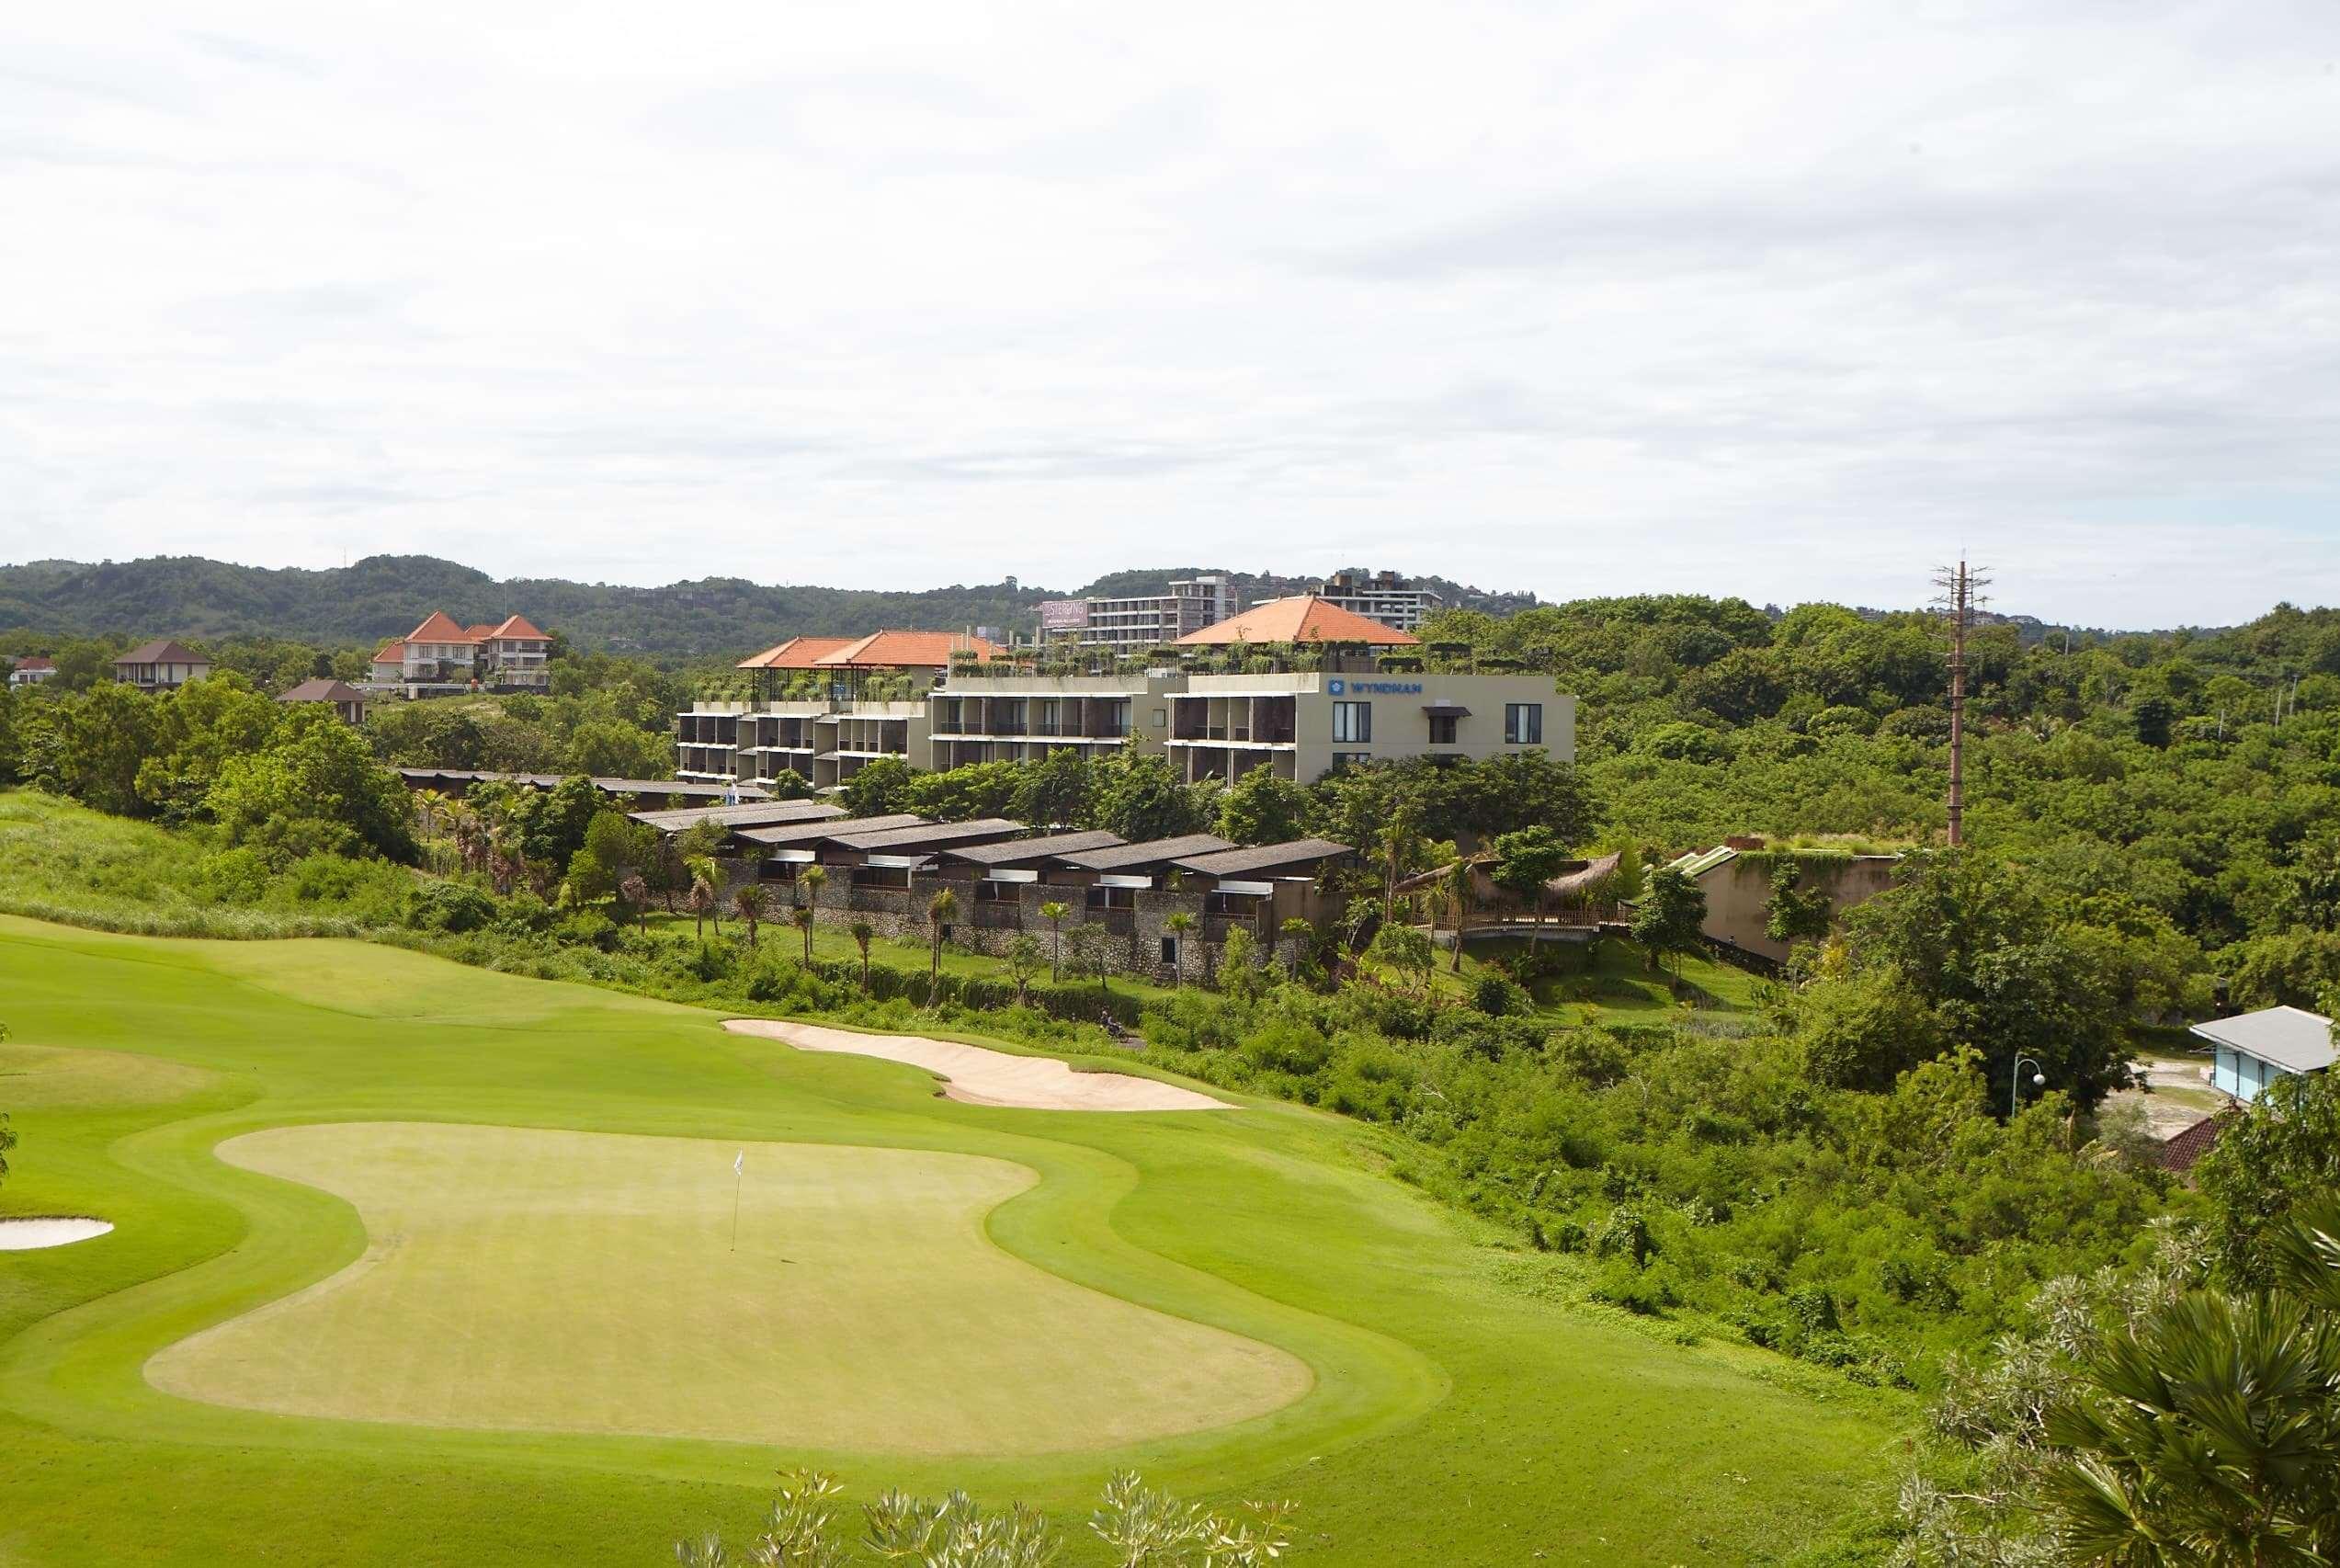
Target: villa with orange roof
441 655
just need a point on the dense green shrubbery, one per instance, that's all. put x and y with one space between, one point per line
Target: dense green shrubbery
1861 1231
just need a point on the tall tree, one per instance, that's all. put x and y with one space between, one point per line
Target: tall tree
1669 918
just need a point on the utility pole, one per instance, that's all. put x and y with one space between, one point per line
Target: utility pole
1958 604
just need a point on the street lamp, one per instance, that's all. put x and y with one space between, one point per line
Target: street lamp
2015 1090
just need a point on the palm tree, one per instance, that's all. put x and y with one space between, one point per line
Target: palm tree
1178 923
939 910
861 930
1455 890
432 808
1054 912
636 892
1297 932
749 904
812 879
702 892
801 916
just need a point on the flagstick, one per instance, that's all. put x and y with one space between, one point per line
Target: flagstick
737 1177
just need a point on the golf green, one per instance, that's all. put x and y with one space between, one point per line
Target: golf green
857 1304
416 1263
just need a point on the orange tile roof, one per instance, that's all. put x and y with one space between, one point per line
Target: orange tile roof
796 654
394 649
479 633
517 626
907 651
1303 617
440 629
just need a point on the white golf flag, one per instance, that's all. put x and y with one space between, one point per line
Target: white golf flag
739 1161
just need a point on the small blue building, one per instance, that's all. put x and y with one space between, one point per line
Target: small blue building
2254 1050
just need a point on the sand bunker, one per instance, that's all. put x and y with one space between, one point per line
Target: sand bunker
980 1076
25 1235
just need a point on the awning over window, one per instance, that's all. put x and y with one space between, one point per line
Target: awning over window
1446 710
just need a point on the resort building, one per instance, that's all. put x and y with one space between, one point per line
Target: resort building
440 656
826 708
888 868
985 717
349 702
1141 622
1350 710
1298 685
32 669
1380 596
2255 1048
160 666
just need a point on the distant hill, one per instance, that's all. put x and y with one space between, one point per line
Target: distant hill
384 596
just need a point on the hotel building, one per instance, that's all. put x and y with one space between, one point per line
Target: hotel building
914 700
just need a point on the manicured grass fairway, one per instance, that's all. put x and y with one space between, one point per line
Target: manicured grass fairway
501 1260
1447 1419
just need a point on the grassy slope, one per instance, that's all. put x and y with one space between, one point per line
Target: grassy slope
1447 1410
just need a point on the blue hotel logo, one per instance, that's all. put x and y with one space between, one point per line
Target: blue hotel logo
1335 688
1378 688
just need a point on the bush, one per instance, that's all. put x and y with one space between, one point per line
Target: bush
1498 997
588 928
446 907
1645 1291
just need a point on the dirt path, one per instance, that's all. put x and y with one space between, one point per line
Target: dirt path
982 1076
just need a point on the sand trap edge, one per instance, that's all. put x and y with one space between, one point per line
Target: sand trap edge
975 1075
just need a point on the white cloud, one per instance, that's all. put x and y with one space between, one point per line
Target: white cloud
1791 300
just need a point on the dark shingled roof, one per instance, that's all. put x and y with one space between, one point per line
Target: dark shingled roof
918 835
322 688
1010 851
762 813
796 834
1261 857
1146 854
163 651
682 786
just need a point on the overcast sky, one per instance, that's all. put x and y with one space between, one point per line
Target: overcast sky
1788 301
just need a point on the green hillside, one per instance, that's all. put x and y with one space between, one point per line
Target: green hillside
384 596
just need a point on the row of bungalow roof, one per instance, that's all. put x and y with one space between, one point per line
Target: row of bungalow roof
785 834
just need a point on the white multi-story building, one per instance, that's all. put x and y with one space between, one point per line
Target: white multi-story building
1140 621
1380 596
511 656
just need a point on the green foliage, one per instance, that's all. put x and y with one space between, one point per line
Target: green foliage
1983 949
1264 808
2266 1166
1794 912
1138 1527
1671 914
1140 798
315 790
877 787
1526 860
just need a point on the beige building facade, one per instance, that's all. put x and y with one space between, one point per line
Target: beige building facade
1302 725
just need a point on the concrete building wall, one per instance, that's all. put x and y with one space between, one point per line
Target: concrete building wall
1738 890
1237 708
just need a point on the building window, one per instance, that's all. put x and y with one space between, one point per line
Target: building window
1351 759
1353 721
1442 728
1523 724
1170 951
